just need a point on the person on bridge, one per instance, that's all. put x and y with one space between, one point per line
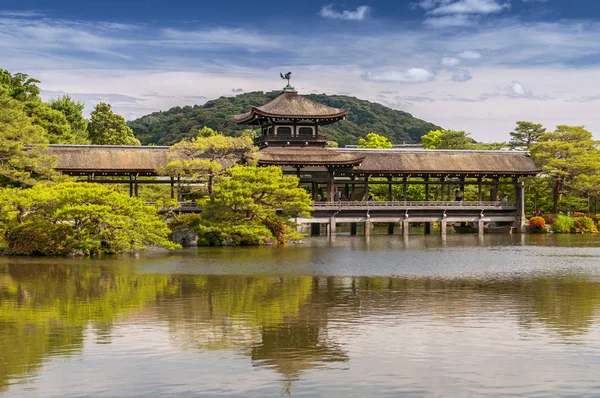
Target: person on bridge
458 196
504 201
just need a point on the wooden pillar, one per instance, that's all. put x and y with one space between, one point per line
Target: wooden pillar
352 228
479 190
130 185
353 194
405 227
443 181
390 230
172 188
315 191
443 227
426 179
390 198
330 187
367 188
136 186
332 226
480 226
522 221
494 189
368 226
405 180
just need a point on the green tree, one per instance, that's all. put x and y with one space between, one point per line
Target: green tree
20 86
73 111
565 155
447 139
251 204
202 158
55 123
108 128
525 135
374 140
76 216
24 158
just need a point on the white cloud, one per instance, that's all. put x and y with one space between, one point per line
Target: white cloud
468 7
361 12
450 61
20 14
459 13
217 37
413 75
470 55
449 21
461 75
516 89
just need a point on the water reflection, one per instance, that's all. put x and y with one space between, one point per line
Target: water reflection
290 324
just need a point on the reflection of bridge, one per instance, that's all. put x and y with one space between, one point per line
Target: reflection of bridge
400 213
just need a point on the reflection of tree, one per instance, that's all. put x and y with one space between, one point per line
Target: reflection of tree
280 322
225 312
45 309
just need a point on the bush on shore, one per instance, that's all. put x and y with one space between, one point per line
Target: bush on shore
580 225
82 218
537 225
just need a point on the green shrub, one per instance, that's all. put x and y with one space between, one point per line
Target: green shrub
537 224
563 224
40 239
584 225
549 218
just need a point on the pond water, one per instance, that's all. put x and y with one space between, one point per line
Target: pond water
506 315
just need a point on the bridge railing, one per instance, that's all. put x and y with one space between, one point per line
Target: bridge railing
409 204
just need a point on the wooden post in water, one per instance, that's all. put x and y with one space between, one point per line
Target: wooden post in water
368 226
390 230
405 228
352 228
443 227
332 226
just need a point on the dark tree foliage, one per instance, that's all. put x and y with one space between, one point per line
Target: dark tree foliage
169 127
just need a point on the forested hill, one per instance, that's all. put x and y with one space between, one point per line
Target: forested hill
168 127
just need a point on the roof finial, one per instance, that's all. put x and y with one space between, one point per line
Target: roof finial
287 77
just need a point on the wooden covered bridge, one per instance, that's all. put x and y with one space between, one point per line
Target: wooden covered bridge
344 182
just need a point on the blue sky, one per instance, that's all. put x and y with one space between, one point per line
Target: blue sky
475 65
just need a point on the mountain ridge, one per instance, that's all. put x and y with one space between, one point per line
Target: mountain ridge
170 126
